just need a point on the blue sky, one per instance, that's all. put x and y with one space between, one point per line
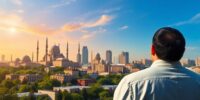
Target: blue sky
119 25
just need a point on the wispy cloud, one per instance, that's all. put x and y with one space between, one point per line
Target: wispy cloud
63 3
111 10
193 20
17 2
10 21
103 20
124 27
89 34
191 48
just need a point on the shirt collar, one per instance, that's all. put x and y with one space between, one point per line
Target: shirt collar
165 63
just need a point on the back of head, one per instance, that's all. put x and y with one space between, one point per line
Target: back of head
169 44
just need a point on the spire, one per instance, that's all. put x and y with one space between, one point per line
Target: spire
46 52
11 58
78 48
32 57
91 56
67 51
37 58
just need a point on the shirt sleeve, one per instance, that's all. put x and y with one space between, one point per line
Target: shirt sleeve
122 91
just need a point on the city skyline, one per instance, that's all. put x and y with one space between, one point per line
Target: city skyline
116 25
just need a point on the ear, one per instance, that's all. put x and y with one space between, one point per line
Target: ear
153 50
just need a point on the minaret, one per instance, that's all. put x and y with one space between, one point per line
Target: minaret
46 51
91 56
32 56
79 55
79 48
67 52
37 58
11 58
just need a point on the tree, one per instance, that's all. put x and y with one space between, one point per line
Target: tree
93 92
43 97
84 94
66 95
7 83
104 95
76 96
55 83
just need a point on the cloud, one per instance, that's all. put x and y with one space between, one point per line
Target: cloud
12 21
193 20
87 34
123 27
190 48
17 2
103 20
111 10
63 3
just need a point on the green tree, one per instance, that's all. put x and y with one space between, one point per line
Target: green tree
55 83
7 83
93 92
104 95
76 96
66 95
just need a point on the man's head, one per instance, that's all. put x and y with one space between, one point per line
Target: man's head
168 44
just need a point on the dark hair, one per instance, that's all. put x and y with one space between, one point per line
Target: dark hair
169 44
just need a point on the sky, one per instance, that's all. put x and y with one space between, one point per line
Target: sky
117 25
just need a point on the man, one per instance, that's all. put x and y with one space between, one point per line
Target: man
165 79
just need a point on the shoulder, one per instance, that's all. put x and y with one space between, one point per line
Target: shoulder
138 76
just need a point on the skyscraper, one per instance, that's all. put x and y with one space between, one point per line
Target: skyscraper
37 52
109 56
78 57
85 55
124 58
67 51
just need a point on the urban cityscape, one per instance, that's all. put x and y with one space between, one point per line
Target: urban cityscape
56 77
81 49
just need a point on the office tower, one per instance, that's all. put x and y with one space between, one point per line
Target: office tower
37 52
197 61
85 55
124 58
67 52
78 57
109 56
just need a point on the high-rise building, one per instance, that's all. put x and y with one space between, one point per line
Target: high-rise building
78 57
67 52
109 56
146 62
85 55
37 52
124 58
197 61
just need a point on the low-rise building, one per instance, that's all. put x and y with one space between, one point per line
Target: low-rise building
117 68
73 72
70 89
30 77
51 94
12 77
63 78
85 82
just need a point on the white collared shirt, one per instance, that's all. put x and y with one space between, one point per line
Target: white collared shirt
161 81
